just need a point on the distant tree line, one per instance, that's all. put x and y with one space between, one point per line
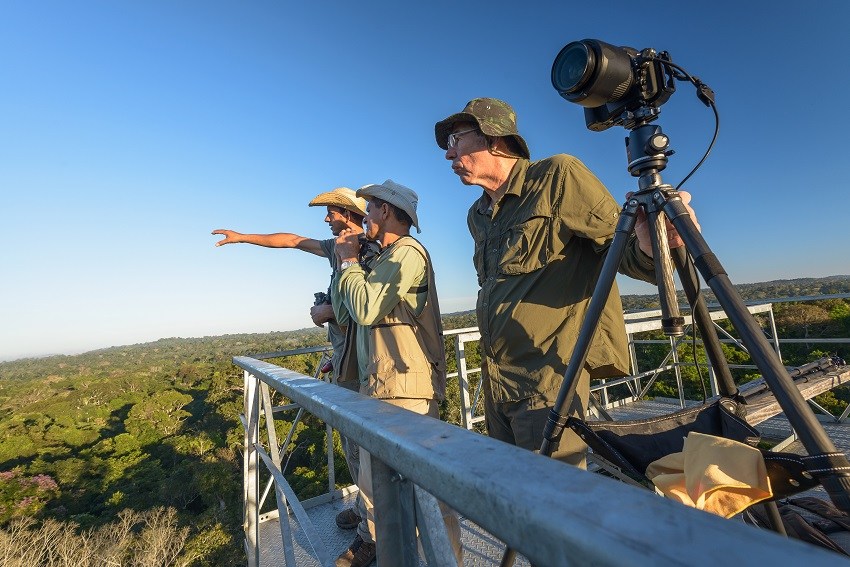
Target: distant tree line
802 287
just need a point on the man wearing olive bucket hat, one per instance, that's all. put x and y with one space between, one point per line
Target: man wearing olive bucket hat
345 211
541 231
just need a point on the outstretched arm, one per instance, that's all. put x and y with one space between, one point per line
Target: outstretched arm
276 240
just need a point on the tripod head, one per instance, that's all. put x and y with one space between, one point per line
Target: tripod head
621 86
647 150
651 196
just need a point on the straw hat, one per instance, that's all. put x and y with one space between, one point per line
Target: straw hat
341 197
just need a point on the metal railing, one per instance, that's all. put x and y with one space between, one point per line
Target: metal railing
639 322
639 381
551 513
402 458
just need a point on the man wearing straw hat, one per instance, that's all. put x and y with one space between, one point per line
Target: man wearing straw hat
393 302
345 211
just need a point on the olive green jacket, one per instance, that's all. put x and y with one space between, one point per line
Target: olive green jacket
398 332
538 254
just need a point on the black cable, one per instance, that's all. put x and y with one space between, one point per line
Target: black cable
706 95
694 340
708 151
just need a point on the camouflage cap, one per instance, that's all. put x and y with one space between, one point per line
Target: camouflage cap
494 117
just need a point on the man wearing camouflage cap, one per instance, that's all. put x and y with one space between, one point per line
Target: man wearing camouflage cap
345 211
393 301
541 229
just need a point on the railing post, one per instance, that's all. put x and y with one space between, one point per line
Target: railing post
463 381
712 375
773 331
250 479
267 411
329 431
636 388
395 516
674 352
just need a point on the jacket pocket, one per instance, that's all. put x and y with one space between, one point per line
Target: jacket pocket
397 369
526 246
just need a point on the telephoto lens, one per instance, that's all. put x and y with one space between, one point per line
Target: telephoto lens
592 73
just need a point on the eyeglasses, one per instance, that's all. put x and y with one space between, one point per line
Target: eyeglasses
453 137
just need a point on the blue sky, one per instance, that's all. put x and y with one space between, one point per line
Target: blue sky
130 130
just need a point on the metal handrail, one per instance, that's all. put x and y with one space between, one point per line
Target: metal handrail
548 511
635 322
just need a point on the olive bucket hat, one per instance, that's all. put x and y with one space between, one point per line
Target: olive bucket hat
494 117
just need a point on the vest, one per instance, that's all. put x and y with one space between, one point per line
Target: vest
407 357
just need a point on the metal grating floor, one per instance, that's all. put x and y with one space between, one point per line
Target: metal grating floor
480 549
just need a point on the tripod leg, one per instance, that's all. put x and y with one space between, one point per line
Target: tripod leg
825 462
774 517
672 323
556 422
702 319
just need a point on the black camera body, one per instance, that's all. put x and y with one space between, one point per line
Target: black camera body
617 86
368 250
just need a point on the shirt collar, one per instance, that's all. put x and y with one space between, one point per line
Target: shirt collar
516 179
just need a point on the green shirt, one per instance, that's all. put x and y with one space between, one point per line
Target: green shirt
538 253
370 297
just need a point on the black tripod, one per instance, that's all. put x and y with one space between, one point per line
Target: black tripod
828 465
647 148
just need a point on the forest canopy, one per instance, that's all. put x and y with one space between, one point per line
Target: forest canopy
147 436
